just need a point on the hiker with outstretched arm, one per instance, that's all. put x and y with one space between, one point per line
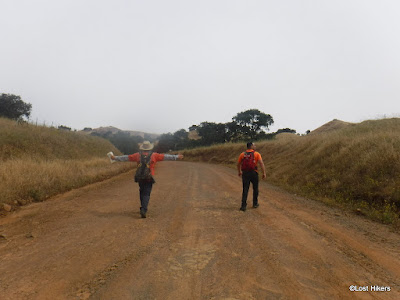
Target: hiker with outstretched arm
146 160
247 168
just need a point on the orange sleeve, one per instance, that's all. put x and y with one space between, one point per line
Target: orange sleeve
257 156
240 157
158 156
134 157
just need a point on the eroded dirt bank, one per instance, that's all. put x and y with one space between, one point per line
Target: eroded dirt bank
195 244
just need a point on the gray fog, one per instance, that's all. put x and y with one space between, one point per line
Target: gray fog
159 66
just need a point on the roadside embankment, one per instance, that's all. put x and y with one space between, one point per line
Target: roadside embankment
357 166
38 162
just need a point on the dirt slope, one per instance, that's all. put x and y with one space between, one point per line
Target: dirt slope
92 244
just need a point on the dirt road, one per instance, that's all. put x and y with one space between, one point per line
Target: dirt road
195 244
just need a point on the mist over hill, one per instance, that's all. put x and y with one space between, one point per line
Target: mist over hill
114 130
127 141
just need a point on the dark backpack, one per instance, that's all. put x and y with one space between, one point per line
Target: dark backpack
143 172
248 162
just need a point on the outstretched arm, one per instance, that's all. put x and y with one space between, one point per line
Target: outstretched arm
172 157
120 158
132 157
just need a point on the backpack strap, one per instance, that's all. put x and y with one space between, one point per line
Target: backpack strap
149 157
142 158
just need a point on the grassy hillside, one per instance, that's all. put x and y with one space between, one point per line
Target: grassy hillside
38 162
331 126
357 166
21 141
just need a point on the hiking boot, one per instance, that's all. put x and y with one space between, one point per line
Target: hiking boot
243 208
256 205
143 214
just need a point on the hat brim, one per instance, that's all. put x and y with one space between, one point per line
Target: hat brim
146 147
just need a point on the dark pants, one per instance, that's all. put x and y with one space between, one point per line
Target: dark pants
145 190
248 177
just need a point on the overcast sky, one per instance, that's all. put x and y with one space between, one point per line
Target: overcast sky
159 66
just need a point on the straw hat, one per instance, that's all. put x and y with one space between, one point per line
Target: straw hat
146 145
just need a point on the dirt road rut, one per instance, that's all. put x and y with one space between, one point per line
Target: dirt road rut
195 244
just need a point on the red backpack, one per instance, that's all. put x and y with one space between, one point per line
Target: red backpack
249 162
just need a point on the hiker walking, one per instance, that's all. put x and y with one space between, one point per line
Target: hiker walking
247 168
146 160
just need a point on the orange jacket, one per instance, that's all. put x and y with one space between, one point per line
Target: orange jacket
155 157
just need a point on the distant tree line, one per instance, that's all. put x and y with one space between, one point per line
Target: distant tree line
247 125
123 140
126 143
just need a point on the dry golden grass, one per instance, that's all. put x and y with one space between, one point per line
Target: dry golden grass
39 162
331 126
357 166
25 140
26 180
286 135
